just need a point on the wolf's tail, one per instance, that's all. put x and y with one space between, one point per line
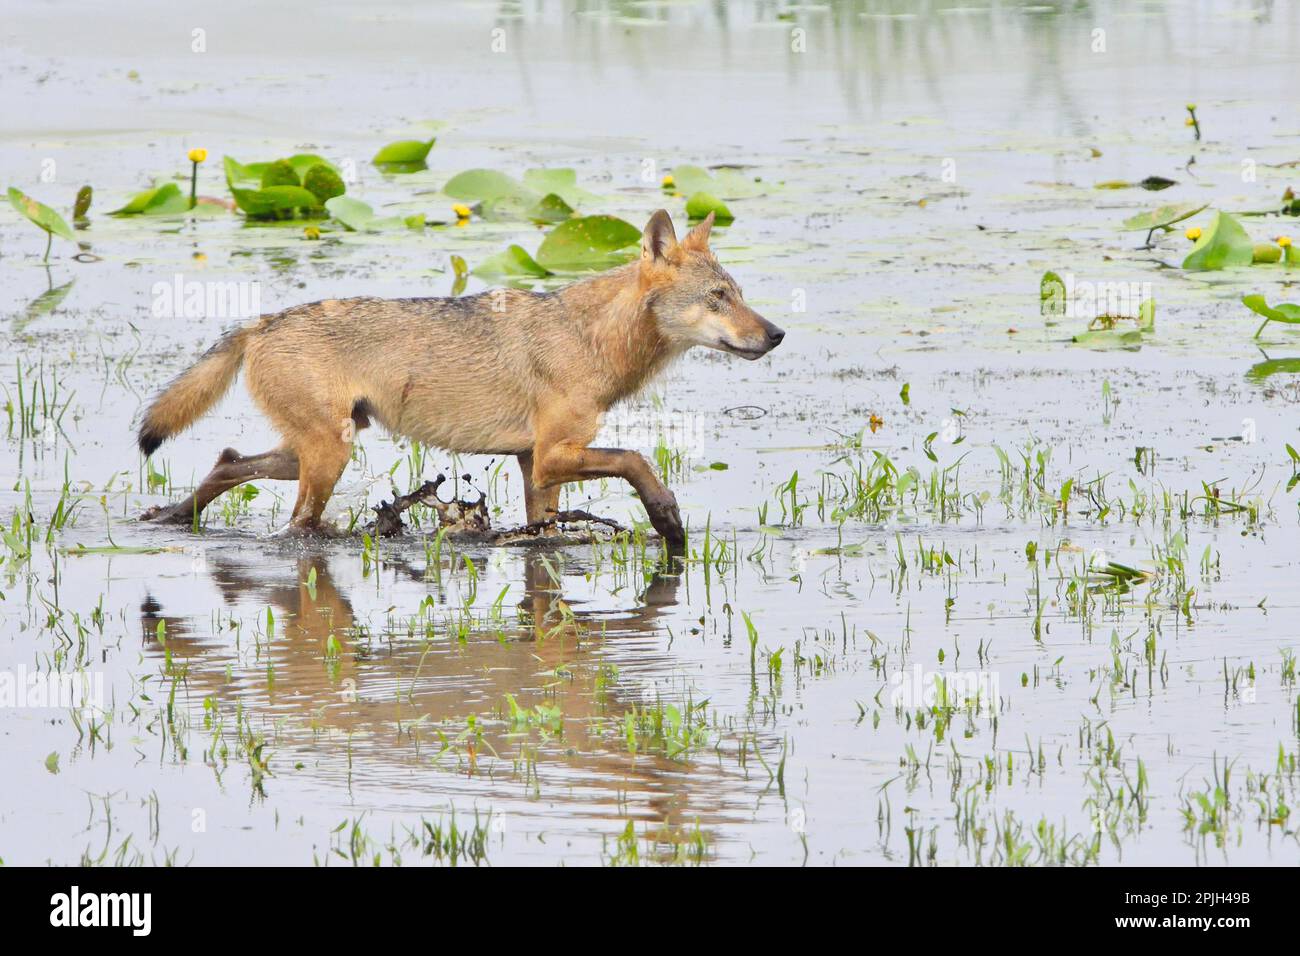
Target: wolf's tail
194 391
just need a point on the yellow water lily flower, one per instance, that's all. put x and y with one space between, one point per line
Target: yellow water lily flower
1284 241
197 155
1193 234
311 232
462 211
669 182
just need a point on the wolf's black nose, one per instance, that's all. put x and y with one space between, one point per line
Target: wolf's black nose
774 337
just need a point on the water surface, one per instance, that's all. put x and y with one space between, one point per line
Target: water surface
922 165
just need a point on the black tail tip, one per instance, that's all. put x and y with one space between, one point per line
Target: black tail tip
149 440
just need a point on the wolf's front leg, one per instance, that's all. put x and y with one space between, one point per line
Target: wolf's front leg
564 462
563 426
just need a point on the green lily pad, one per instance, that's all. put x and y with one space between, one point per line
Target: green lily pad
300 163
1164 216
1130 339
1222 245
280 190
41 214
275 199
725 183
1282 312
507 207
1266 252
359 217
1120 336
551 208
323 183
164 200
279 173
1287 313
701 204
479 185
545 195
514 262
588 243
237 172
408 155
353 213
562 182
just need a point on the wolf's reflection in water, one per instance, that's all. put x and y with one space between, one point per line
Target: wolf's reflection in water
491 705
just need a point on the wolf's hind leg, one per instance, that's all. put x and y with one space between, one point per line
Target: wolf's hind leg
322 465
231 469
539 503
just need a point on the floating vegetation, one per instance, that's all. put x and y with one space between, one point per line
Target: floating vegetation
1111 331
1164 218
404 156
294 188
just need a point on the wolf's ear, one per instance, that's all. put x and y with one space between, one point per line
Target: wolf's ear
659 239
698 238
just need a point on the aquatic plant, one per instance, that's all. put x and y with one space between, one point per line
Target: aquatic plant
43 217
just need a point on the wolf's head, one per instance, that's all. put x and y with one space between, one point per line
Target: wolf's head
695 301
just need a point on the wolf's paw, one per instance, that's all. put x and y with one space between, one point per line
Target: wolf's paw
316 530
667 520
182 514
548 530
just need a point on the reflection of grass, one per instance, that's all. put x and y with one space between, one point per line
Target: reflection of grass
442 841
1208 811
668 844
664 728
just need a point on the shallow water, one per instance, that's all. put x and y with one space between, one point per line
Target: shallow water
922 165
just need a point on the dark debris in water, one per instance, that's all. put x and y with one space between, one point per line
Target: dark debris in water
469 520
